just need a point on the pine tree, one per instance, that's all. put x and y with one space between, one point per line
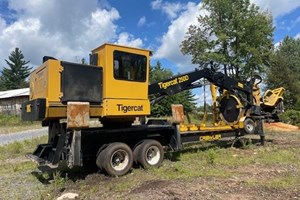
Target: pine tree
163 107
284 71
14 76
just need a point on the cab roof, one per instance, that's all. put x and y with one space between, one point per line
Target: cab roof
117 45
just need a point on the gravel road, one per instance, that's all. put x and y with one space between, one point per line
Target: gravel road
23 135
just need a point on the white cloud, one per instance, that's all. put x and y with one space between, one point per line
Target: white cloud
142 21
2 24
199 96
156 4
171 40
170 9
278 7
129 40
297 36
64 29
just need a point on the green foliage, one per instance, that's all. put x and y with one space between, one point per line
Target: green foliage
14 76
291 117
163 107
211 156
58 181
2 86
234 35
284 71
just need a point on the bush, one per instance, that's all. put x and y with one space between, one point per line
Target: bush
291 117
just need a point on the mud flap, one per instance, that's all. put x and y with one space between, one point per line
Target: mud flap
75 156
260 131
175 142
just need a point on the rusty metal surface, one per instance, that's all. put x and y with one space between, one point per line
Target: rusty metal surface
177 113
78 115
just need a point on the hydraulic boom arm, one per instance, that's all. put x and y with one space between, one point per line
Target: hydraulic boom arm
187 81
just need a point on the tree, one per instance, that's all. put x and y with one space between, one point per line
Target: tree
15 75
163 107
234 35
2 86
284 71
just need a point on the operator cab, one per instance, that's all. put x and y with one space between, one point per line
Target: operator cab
125 79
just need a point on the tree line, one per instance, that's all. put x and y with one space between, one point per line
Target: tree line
234 36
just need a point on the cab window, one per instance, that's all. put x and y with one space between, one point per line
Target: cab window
129 66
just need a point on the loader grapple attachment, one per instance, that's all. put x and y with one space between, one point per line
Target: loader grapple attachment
50 153
40 153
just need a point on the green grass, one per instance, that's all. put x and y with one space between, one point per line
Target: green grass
12 123
226 162
17 149
271 156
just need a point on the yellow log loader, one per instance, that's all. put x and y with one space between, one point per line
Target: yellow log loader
114 88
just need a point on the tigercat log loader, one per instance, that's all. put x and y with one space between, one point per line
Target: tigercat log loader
115 89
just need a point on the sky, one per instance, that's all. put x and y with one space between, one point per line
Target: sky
69 30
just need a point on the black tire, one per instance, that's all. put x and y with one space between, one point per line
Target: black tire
100 157
116 159
149 154
249 126
136 152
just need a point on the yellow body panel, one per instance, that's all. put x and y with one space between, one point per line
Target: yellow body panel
125 107
45 81
185 128
120 89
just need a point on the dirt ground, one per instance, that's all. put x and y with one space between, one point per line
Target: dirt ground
279 126
242 181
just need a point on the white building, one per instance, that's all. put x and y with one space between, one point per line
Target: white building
11 100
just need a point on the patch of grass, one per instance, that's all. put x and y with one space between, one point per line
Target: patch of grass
16 167
13 120
270 156
16 149
196 163
13 123
121 186
59 181
285 180
211 156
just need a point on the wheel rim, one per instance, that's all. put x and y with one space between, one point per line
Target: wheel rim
119 160
250 127
153 155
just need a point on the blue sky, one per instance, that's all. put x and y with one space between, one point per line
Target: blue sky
69 30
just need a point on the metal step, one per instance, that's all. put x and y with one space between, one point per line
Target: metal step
35 159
